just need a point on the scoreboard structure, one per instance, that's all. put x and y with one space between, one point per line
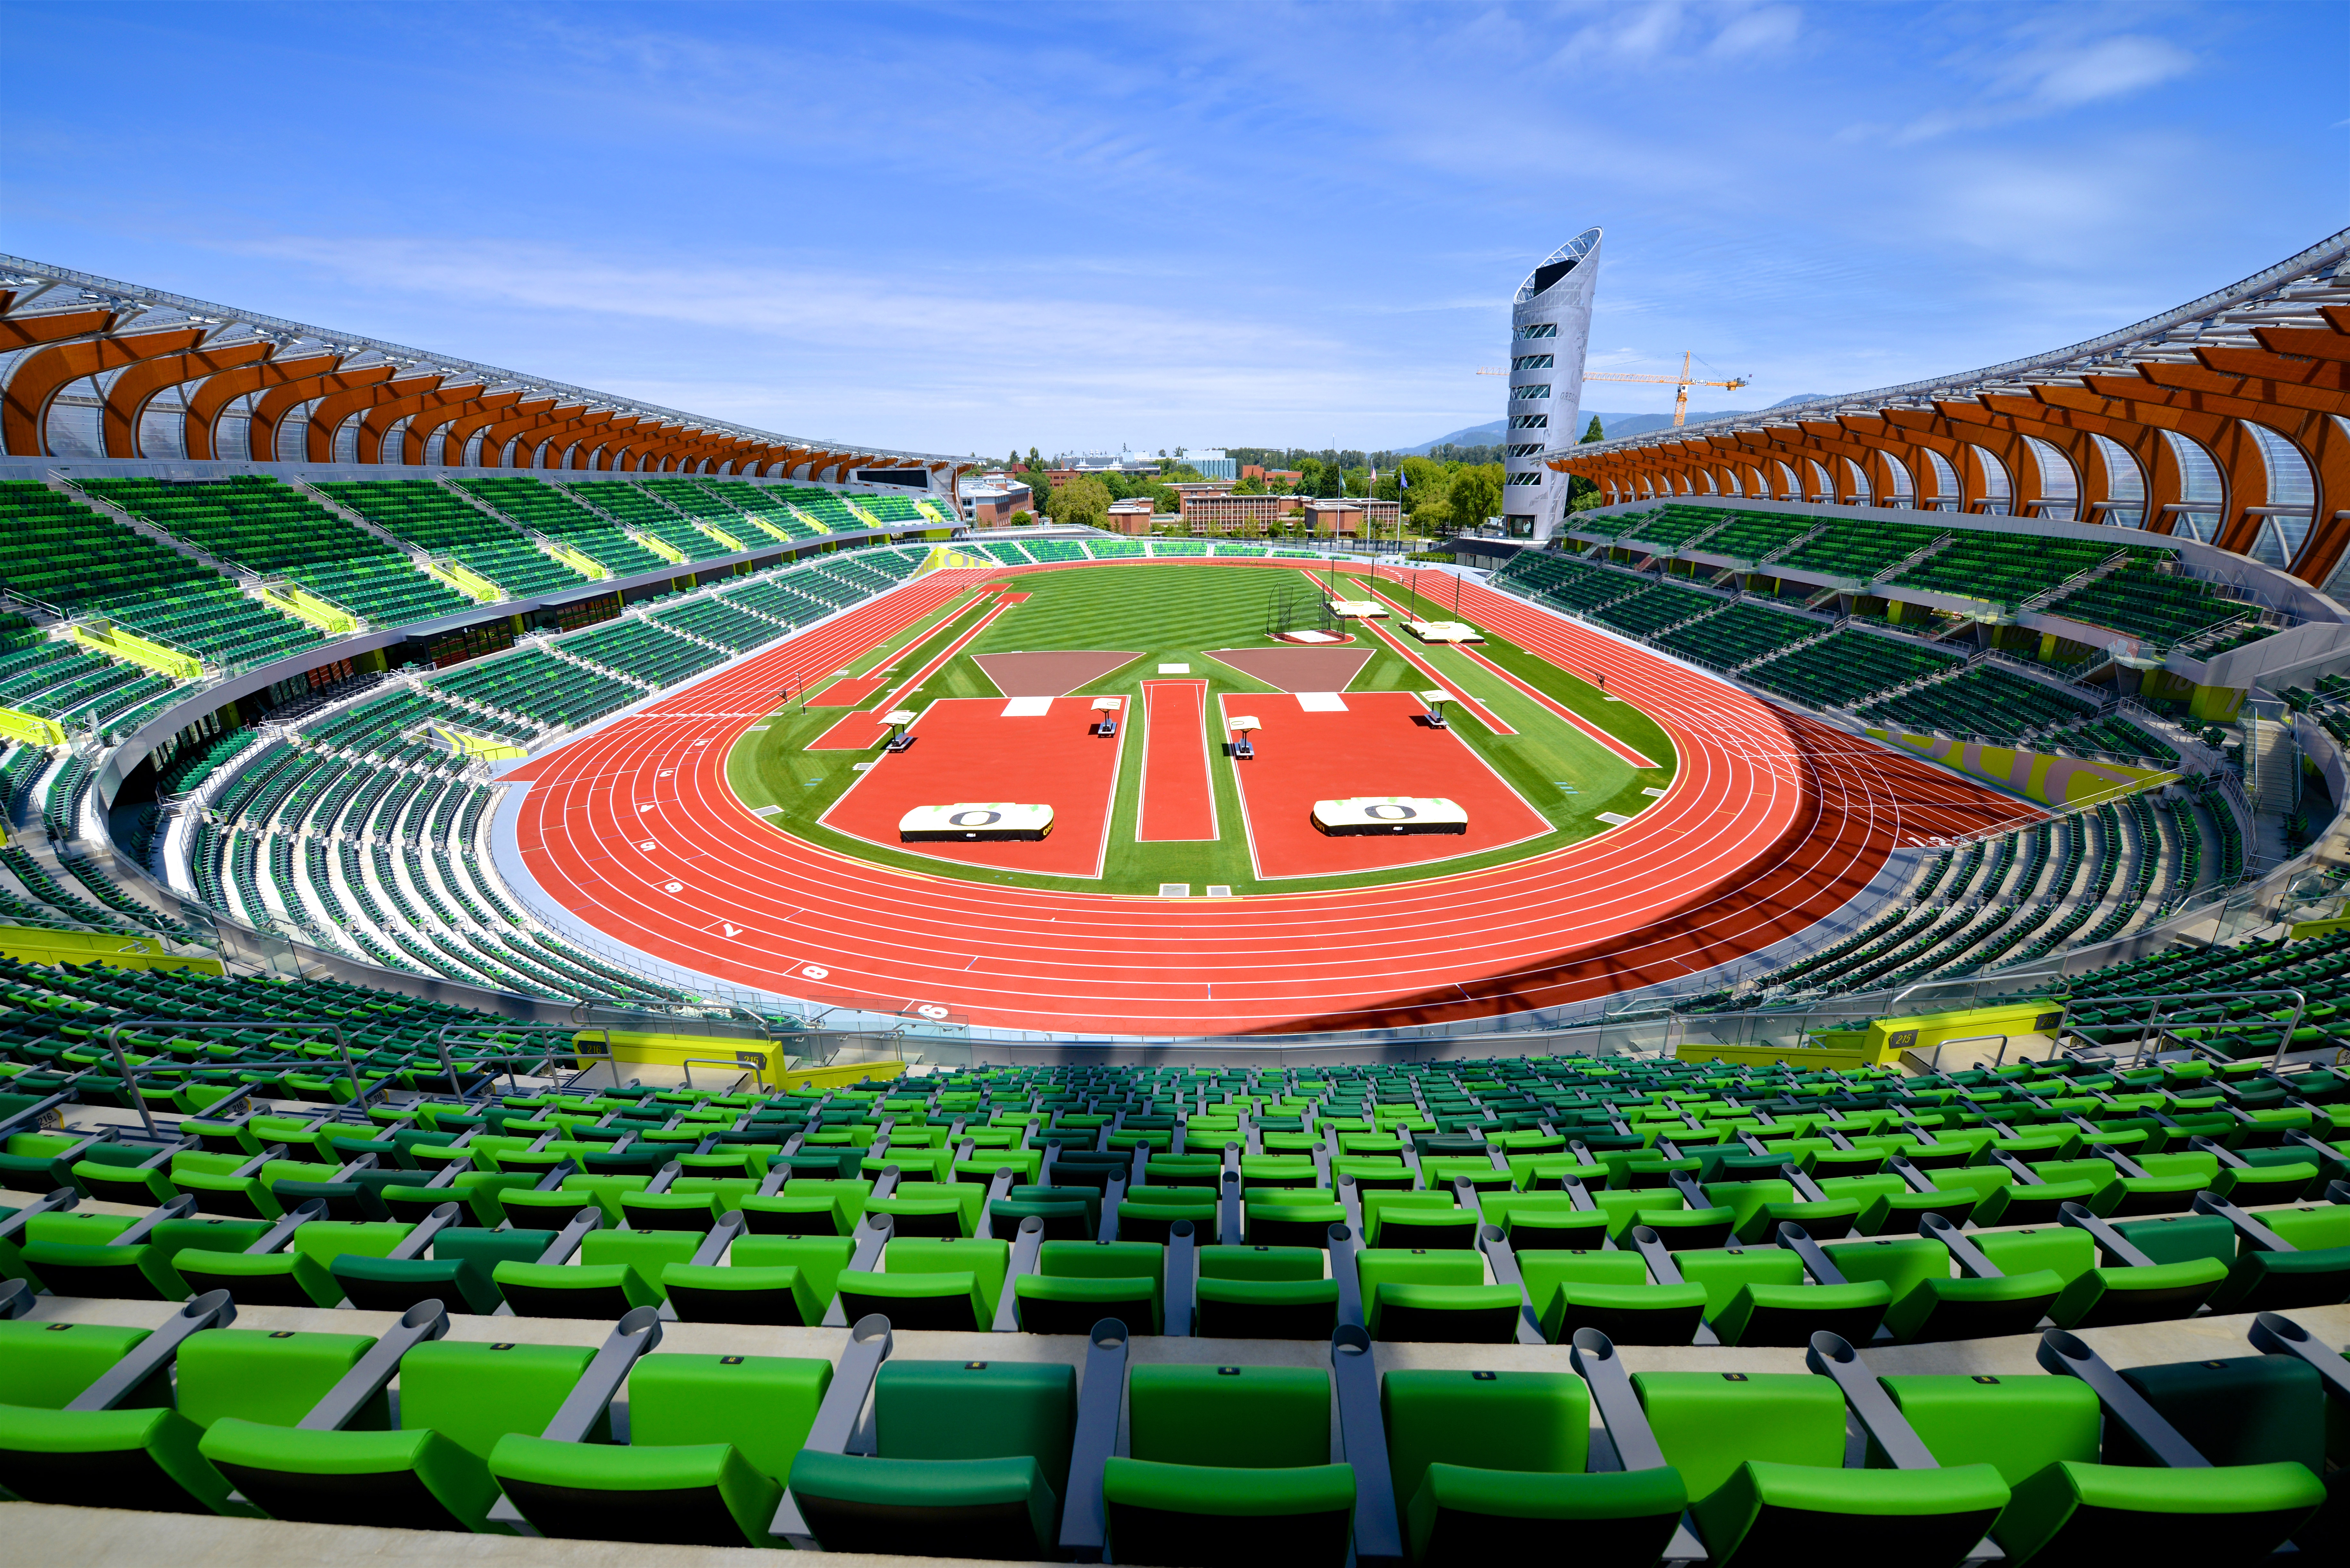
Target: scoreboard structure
975 822
1363 815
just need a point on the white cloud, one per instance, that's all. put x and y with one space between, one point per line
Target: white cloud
1757 32
2032 78
2109 68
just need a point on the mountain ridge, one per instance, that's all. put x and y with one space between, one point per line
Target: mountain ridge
1612 424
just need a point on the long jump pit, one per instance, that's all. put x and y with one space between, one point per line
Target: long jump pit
1033 750
1322 746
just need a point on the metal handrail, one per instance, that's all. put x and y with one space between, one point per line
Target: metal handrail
545 1058
113 1037
2161 1003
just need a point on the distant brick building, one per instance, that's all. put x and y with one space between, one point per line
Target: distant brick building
1223 512
990 502
1346 517
1128 517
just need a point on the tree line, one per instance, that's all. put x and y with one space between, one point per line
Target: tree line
1453 487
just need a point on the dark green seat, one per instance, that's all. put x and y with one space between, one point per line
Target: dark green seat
395 1284
1078 1284
970 1460
1229 1464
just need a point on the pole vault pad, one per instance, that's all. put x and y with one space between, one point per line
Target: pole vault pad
976 822
1364 817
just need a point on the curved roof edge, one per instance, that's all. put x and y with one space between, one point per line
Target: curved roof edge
15 271
2108 349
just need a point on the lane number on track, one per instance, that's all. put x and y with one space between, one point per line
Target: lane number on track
815 971
673 886
666 771
932 1010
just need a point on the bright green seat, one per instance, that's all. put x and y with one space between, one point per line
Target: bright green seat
1761 1296
271 1279
2041 1433
1490 1466
1609 1292
1435 1297
143 1272
1762 1456
146 1456
784 1296
457 1400
600 1291
934 1299
711 1439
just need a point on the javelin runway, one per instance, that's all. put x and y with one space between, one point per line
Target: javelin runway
1774 821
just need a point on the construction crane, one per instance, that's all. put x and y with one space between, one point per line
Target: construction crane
1682 383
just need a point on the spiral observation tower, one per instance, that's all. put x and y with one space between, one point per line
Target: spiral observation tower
1550 330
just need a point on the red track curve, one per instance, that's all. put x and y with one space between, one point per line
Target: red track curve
1774 821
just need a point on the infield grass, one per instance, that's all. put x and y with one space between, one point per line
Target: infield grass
1174 612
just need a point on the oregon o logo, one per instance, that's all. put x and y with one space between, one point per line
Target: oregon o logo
975 819
1389 812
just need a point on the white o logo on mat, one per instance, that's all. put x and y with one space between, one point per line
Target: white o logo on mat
815 971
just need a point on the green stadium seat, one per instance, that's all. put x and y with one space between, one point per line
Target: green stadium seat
1229 1463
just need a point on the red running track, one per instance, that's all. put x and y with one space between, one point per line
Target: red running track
1179 799
1773 823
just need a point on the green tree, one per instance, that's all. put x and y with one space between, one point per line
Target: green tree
1475 495
1035 461
1020 519
1330 482
1309 476
1252 485
1081 501
1593 433
1358 480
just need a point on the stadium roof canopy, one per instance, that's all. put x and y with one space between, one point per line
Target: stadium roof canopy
93 368
2226 417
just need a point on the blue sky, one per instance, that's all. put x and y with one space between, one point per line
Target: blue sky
956 228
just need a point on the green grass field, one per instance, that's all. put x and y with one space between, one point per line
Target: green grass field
1174 613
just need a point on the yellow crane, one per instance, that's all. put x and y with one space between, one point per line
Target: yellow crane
1682 383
